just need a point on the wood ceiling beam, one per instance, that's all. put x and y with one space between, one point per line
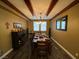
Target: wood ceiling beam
29 5
51 6
65 9
13 7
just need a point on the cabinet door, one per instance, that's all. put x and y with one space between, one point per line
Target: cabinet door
15 40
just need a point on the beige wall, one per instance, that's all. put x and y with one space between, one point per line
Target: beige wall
68 39
5 34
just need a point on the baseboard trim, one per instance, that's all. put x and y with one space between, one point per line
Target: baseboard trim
5 54
73 57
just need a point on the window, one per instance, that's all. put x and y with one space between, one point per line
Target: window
36 26
61 23
40 26
58 24
43 26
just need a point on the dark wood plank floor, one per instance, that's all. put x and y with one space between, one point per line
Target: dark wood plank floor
25 52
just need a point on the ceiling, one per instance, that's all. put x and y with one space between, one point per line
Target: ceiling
40 9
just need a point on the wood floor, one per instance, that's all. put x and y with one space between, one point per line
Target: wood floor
25 52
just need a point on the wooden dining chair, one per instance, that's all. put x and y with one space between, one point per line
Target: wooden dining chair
49 43
42 48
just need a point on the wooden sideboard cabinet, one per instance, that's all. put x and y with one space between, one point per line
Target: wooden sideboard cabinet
17 39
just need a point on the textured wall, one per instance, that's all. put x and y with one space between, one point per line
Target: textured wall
68 39
5 34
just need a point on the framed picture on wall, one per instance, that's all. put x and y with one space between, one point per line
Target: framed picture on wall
17 25
61 23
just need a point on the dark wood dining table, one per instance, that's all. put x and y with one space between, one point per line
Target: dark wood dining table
41 43
40 37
